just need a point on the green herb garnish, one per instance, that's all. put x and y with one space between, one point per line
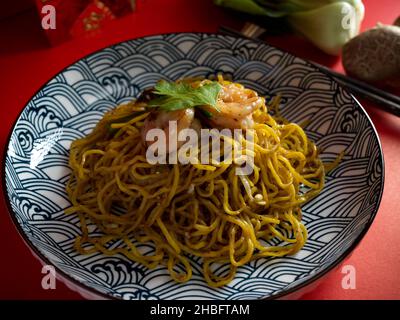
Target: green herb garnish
177 96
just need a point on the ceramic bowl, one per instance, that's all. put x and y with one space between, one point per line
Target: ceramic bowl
70 105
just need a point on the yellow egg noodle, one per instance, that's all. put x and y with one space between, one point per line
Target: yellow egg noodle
206 211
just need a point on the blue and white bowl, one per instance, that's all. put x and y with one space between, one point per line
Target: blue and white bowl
70 105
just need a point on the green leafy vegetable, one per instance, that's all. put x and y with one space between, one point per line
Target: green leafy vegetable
177 96
328 24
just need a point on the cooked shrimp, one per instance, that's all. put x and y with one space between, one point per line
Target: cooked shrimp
236 106
161 119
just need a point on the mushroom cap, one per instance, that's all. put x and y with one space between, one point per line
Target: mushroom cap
374 55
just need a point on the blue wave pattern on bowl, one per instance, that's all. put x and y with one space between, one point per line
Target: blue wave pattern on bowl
70 105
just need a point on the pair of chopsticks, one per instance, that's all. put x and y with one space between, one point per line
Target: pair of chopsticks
383 100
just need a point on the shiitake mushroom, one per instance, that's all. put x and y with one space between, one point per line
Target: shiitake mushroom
374 55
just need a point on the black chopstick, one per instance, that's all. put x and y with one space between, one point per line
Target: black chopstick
384 100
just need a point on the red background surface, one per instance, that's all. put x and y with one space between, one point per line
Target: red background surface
27 62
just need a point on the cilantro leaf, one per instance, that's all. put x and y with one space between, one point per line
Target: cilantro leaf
176 96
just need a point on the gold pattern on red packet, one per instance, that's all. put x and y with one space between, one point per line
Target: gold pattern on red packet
94 17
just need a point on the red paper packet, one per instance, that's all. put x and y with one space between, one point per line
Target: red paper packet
75 18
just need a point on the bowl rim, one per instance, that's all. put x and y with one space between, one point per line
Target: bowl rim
283 293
